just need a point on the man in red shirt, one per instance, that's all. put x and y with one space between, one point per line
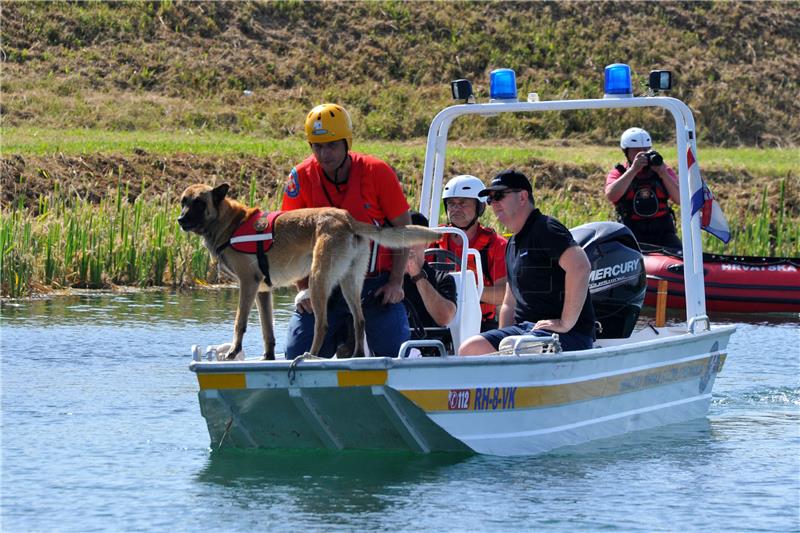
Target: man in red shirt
463 208
369 190
641 190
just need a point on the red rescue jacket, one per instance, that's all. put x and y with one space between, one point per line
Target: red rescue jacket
380 257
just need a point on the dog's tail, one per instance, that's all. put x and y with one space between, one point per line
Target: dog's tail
400 237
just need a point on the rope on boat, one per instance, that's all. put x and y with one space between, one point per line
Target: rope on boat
296 361
225 433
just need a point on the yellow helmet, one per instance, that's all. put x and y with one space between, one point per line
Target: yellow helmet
327 123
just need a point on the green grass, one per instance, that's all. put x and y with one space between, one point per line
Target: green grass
32 141
758 161
137 65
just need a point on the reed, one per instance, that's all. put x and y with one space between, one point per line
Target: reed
73 242
759 228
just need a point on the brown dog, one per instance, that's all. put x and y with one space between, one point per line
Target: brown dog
326 244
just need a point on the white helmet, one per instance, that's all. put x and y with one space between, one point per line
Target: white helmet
635 138
465 186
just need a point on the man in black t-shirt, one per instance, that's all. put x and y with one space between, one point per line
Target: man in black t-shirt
548 274
430 294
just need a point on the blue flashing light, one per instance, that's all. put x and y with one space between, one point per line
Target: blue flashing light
503 84
618 80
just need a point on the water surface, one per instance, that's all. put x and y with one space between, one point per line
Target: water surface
101 431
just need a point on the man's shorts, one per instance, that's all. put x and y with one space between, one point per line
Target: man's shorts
570 341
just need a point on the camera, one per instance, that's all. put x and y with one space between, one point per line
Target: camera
654 159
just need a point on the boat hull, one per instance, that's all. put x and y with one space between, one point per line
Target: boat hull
499 405
744 285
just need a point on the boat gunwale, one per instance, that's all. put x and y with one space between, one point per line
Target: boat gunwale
385 363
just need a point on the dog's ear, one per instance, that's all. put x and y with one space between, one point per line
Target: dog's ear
218 194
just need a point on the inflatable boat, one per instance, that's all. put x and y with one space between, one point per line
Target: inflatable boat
733 283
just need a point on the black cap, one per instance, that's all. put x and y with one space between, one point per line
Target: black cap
508 179
418 219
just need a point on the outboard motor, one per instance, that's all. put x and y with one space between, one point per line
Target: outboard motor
618 282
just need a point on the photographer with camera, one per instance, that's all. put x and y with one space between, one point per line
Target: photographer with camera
641 190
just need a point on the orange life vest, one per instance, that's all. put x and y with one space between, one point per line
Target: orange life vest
481 243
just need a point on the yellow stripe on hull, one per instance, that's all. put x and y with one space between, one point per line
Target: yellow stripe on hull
361 378
221 381
509 398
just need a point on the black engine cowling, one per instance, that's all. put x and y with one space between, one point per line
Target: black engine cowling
618 281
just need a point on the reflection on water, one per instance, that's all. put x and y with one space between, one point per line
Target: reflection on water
254 468
762 319
139 308
131 321
321 481
231 466
727 317
341 487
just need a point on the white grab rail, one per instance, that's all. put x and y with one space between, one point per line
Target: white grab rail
469 289
433 170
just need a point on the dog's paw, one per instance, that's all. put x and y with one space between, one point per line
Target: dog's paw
234 355
268 357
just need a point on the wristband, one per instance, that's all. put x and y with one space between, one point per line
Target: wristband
420 275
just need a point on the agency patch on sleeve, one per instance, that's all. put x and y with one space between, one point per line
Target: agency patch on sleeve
293 184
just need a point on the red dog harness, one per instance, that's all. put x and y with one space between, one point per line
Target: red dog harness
254 236
254 230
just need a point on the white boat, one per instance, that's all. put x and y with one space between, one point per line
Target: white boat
522 403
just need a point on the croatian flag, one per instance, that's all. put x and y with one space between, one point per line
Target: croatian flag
712 219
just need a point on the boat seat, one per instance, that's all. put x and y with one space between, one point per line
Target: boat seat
467 321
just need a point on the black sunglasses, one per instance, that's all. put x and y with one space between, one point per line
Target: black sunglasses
497 196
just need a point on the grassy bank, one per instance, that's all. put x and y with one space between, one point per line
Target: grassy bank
77 243
113 226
